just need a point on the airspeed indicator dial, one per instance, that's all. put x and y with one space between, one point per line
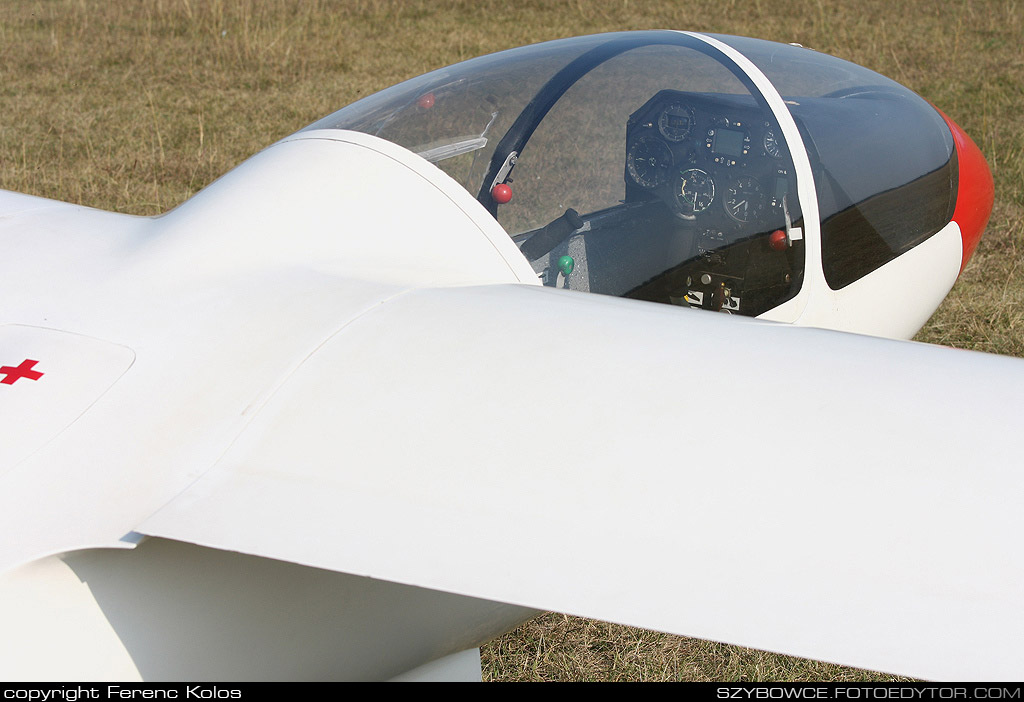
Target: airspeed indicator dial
695 191
648 162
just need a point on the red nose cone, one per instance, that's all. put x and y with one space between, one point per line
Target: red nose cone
975 192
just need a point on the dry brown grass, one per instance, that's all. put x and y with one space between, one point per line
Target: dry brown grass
556 647
133 105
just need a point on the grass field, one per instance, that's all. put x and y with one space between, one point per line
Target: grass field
134 105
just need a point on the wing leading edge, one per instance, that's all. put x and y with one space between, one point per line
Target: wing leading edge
839 497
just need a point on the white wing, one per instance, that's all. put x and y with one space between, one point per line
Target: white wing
810 492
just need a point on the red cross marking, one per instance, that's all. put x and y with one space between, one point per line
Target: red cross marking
22 371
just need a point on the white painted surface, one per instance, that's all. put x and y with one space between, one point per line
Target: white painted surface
76 371
172 611
362 208
418 242
894 300
897 299
815 493
221 300
53 629
458 667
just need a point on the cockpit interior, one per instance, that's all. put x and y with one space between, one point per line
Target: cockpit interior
652 165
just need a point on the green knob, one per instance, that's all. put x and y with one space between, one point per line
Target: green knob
566 264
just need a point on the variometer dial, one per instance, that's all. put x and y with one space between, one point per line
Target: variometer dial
695 191
744 200
649 162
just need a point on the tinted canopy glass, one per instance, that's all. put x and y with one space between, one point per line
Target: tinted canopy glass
883 158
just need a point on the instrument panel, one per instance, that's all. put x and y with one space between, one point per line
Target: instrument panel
719 164
718 160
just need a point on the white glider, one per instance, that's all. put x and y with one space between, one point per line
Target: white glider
354 409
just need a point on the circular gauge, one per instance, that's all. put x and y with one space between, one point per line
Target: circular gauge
648 162
695 191
772 147
675 122
744 200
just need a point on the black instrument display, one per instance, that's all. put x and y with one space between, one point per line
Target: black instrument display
716 157
719 166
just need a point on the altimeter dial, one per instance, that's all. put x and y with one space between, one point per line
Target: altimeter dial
649 162
675 122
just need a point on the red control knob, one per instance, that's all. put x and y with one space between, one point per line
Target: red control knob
501 193
426 101
778 240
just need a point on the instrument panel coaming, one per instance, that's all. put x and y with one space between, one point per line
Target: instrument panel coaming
720 165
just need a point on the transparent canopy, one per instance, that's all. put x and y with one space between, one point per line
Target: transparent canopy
648 165
884 161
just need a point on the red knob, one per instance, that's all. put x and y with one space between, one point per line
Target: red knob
778 240
501 193
426 101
